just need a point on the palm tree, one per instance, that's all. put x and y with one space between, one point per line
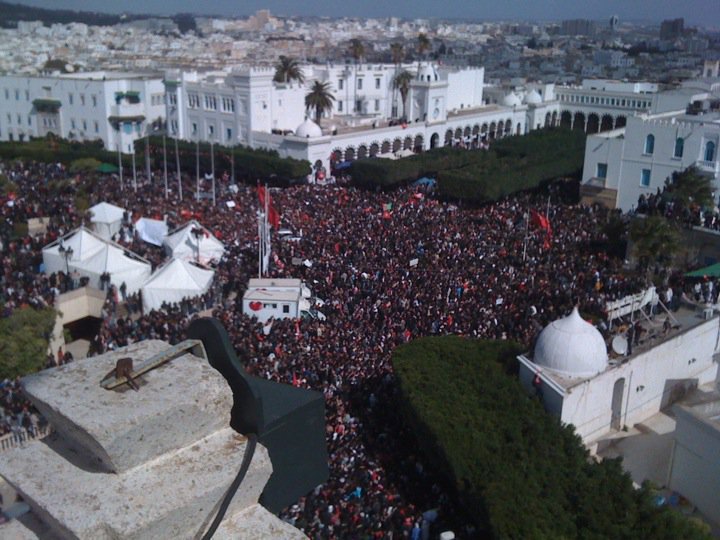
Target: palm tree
423 44
287 70
401 82
357 51
397 51
319 99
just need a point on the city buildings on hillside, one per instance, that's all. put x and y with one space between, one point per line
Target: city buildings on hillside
115 107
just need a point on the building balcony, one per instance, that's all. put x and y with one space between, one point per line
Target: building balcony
712 167
127 112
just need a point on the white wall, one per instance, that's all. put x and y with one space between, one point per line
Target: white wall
695 467
649 381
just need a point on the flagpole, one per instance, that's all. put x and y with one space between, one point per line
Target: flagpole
165 166
134 171
177 162
212 169
525 240
122 184
147 156
197 169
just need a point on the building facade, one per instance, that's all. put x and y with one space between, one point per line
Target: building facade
117 108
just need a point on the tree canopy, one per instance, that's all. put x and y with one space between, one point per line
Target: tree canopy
401 83
319 99
689 187
287 70
655 240
24 338
517 470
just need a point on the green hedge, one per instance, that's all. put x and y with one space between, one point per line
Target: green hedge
517 471
512 164
250 165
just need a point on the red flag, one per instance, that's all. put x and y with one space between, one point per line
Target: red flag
273 215
539 220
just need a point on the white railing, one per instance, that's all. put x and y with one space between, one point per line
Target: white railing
19 438
708 166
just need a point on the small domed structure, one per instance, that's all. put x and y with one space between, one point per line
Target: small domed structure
511 100
427 73
533 98
571 347
308 129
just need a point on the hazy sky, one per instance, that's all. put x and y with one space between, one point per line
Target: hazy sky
695 12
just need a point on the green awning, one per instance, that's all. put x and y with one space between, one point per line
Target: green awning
711 271
46 105
107 168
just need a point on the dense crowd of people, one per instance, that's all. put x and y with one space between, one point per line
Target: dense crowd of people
388 266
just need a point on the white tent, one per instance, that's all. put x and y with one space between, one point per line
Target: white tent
176 280
106 219
183 244
92 256
152 231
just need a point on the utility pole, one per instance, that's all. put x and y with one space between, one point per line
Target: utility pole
179 176
165 167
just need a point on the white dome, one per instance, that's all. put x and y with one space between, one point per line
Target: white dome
571 347
427 72
308 129
533 98
511 100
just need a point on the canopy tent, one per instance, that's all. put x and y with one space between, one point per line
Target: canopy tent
710 271
184 244
92 256
152 231
176 280
106 219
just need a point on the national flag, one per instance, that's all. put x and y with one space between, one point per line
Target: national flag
273 215
541 221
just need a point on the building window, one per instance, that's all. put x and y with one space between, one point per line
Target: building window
645 178
377 105
650 144
709 151
359 85
211 131
29 120
679 147
82 100
94 100
194 128
97 127
7 94
72 123
17 95
71 98
341 83
84 125
174 126
377 83
601 170
286 308
228 134
340 106
27 95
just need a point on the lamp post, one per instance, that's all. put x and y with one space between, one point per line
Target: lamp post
198 233
67 253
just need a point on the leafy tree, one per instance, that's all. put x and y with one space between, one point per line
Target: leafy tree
655 240
689 187
401 82
287 70
319 99
24 338
397 52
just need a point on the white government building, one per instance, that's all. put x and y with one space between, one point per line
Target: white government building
115 107
445 106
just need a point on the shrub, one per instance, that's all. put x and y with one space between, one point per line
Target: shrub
24 339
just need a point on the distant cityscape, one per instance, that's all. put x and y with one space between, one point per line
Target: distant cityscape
560 52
